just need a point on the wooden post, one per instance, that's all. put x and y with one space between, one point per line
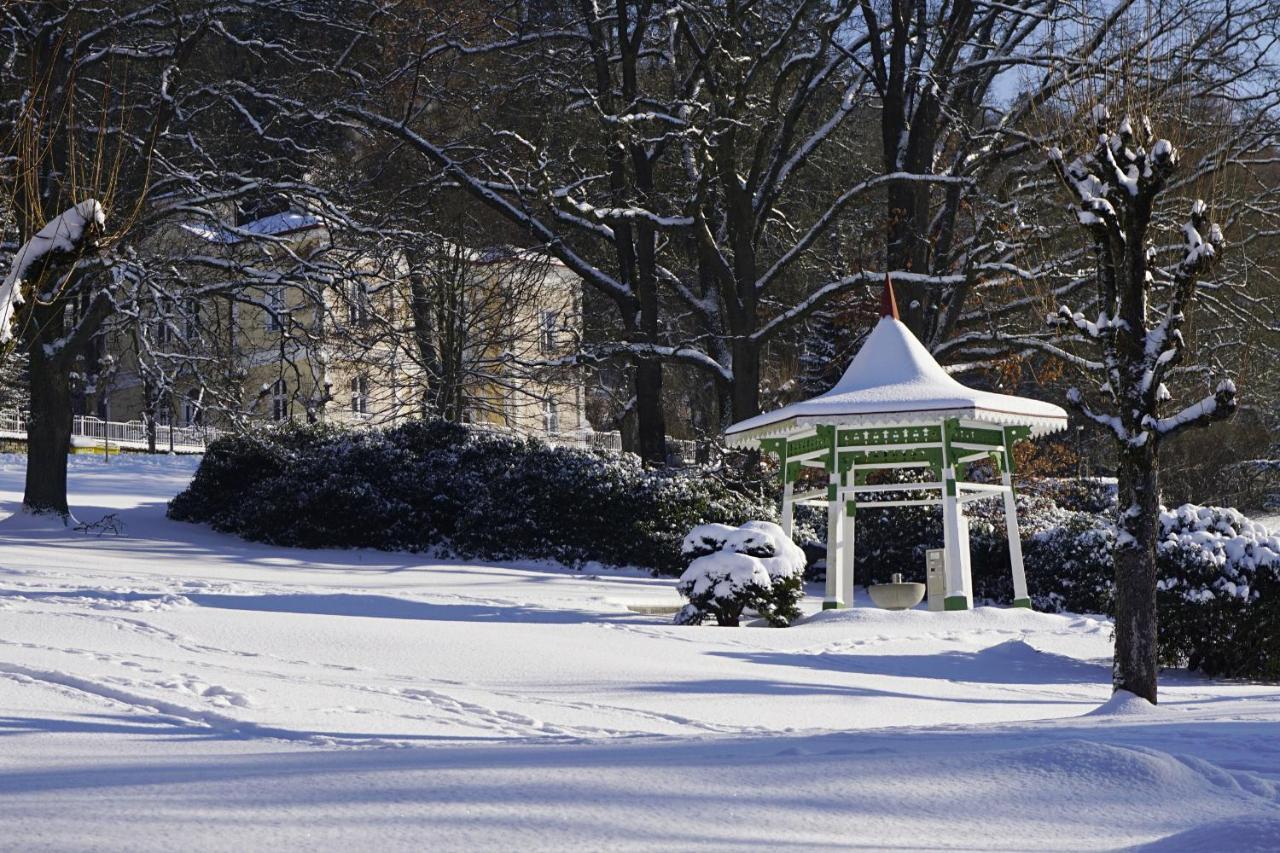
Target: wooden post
1020 596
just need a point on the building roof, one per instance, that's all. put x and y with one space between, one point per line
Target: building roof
894 381
269 226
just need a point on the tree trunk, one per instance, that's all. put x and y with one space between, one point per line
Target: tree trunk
1136 661
424 336
149 406
651 424
746 380
907 249
48 438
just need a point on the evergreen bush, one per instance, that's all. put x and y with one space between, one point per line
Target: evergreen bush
733 569
464 493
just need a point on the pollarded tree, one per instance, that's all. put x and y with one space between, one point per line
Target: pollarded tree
1143 305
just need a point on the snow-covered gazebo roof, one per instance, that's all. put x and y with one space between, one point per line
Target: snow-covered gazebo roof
894 381
896 408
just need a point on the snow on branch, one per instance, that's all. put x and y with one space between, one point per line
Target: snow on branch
639 349
1203 243
1220 405
1111 422
67 234
1117 171
1092 328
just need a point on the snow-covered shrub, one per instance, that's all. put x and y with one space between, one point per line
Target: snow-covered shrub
732 569
473 495
1218 583
1219 593
1077 494
1068 561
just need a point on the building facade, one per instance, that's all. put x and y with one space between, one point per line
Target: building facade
314 331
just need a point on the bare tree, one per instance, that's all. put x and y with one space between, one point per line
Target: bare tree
572 61
1144 304
485 326
118 119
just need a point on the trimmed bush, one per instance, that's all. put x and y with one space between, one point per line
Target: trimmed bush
463 493
732 569
1219 593
1219 573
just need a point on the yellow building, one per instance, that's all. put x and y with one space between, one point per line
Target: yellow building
347 335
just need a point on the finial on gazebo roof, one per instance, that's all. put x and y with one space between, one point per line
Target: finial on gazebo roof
888 304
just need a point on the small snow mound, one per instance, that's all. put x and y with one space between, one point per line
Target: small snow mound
1124 704
24 521
1242 834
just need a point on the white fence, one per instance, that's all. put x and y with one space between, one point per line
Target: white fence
89 432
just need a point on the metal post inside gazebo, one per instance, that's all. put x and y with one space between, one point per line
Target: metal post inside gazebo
895 407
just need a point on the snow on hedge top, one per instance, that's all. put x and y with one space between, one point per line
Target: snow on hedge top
1235 547
725 573
63 233
893 380
767 548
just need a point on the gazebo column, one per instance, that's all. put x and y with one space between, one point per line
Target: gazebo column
1021 598
847 543
955 531
788 508
835 544
955 534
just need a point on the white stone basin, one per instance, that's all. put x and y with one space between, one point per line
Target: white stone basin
896 596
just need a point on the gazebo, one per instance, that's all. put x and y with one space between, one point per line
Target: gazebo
895 407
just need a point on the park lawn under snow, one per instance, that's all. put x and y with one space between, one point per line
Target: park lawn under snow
174 688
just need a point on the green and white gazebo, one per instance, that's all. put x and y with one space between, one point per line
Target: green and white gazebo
895 407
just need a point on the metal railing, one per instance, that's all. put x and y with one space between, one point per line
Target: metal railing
87 431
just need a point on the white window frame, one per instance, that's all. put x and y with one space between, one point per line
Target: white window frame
279 400
358 303
191 408
548 330
360 396
275 308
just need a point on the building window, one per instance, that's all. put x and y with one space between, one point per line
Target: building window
551 413
279 401
548 330
275 309
164 331
191 319
358 303
192 414
164 409
360 396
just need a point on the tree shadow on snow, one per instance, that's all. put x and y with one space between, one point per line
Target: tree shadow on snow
764 687
1012 662
147 534
168 727
340 604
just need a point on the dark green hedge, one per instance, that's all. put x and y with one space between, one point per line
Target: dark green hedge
441 486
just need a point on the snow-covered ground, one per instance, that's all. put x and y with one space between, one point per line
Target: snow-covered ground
174 688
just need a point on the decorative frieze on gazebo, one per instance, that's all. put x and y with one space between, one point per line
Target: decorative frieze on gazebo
895 407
